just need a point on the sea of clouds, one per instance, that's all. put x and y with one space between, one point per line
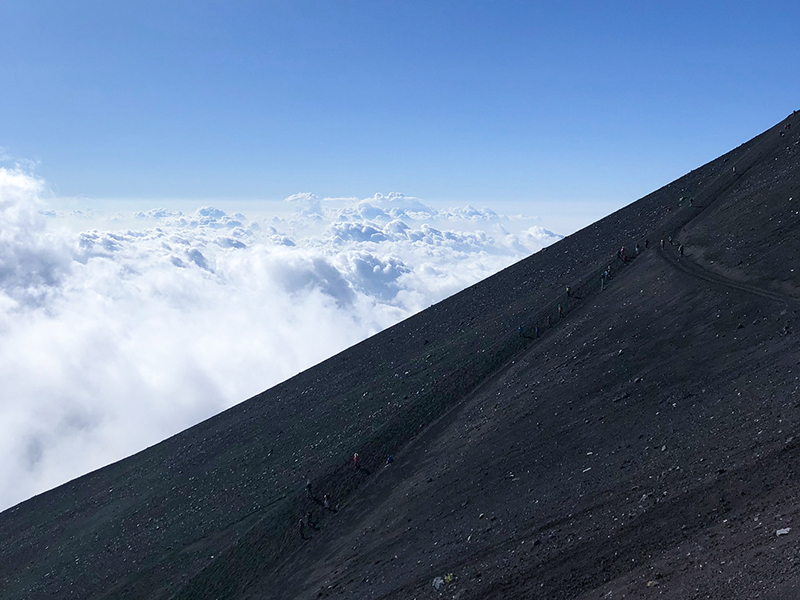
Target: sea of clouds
116 337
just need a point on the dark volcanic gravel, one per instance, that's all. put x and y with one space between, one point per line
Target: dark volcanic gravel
644 445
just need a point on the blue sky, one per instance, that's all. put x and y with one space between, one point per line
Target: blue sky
559 107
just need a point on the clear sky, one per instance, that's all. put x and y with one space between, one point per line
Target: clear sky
560 107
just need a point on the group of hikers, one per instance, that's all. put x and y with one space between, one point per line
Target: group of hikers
308 521
672 243
605 276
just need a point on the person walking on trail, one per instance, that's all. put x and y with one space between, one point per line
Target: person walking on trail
536 330
560 311
680 249
309 492
662 244
636 249
647 243
549 321
355 460
568 291
302 525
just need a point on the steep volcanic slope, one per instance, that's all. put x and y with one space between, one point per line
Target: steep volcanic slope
633 447
644 447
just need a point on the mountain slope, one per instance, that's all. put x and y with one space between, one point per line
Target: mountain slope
643 444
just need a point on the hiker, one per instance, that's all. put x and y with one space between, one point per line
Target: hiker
301 524
691 202
519 329
326 502
308 489
355 459
662 244
568 291
646 243
549 321
636 249
536 331
389 460
670 240
605 276
680 249
560 311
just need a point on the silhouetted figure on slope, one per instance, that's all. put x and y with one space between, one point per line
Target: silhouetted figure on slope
357 464
302 526
327 505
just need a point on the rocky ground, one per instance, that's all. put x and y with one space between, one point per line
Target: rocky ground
644 444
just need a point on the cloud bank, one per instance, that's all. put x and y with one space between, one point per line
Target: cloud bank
112 339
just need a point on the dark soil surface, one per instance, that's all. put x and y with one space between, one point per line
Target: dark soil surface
643 445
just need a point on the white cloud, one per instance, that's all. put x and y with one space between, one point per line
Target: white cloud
113 339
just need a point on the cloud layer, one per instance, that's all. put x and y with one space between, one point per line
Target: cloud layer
112 339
